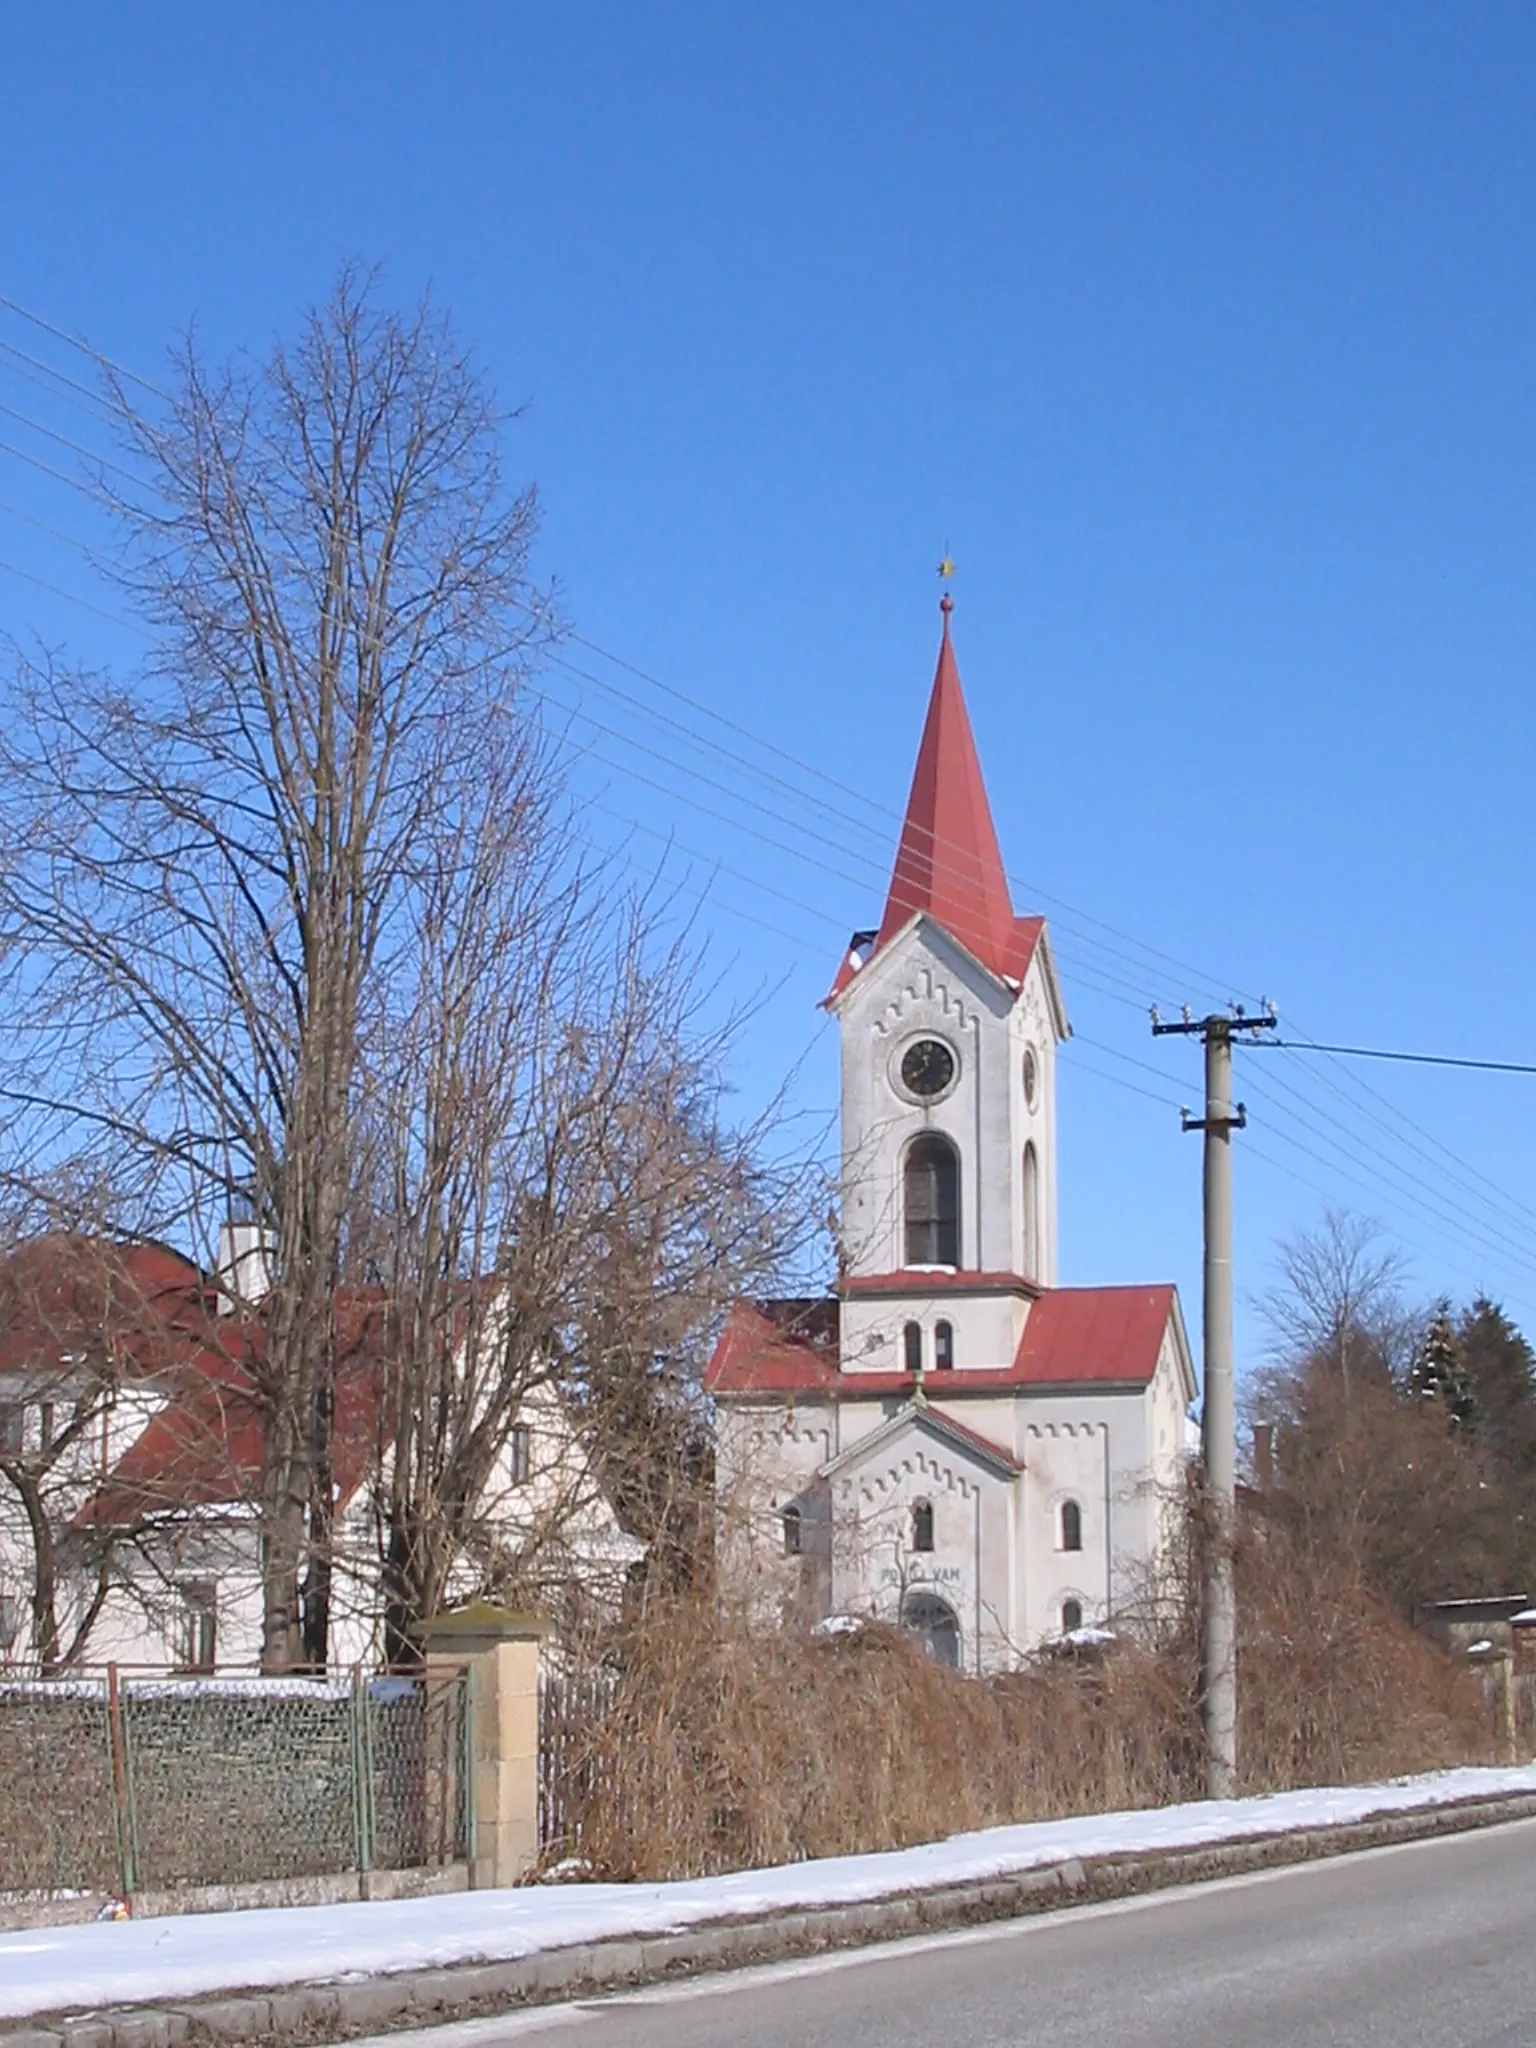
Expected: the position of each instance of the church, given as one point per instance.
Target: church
(951, 1440)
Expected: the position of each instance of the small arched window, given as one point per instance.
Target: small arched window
(1031, 1213)
(792, 1532)
(943, 1346)
(1071, 1525)
(922, 1526)
(1071, 1616)
(932, 1190)
(912, 1344)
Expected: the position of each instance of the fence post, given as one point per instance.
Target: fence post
(362, 1773)
(502, 1653)
(466, 1768)
(122, 1787)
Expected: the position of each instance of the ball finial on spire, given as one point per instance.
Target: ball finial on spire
(946, 571)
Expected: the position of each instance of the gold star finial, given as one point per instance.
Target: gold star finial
(947, 566)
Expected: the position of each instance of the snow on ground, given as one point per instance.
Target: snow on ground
(123, 1962)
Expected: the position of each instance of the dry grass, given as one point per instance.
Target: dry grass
(730, 1746)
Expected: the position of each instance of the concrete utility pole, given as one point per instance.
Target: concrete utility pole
(1218, 1415)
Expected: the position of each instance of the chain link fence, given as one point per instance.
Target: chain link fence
(119, 1783)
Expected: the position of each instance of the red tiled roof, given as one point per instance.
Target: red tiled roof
(948, 863)
(67, 1294)
(1073, 1336)
(937, 1280)
(204, 1447)
(1083, 1334)
(781, 1347)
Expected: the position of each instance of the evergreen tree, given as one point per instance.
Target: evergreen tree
(1501, 1374)
(1438, 1373)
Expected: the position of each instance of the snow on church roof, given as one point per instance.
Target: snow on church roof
(948, 865)
(1073, 1336)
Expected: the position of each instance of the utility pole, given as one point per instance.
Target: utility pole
(1218, 1416)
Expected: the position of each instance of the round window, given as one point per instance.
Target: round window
(1031, 1075)
(927, 1067)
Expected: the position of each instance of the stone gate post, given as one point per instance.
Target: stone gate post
(502, 1652)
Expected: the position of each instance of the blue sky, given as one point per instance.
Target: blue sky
(1201, 335)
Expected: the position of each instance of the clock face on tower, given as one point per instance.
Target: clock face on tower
(927, 1068)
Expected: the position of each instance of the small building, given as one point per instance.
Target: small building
(1480, 1626)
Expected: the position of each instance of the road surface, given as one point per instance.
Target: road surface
(1428, 1946)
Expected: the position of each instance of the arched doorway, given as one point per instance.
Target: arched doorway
(926, 1615)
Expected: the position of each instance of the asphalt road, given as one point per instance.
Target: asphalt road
(1428, 1946)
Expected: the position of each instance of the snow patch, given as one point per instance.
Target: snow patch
(48, 1969)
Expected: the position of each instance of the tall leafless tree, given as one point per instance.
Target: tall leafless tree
(204, 872)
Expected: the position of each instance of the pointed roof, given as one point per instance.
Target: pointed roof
(948, 865)
(949, 862)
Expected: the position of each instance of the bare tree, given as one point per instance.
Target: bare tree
(1337, 1300)
(204, 873)
(558, 1207)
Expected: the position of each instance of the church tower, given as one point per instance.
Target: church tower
(949, 1439)
(950, 1016)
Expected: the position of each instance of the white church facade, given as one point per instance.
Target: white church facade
(951, 1440)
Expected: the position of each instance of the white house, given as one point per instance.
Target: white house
(951, 1439)
(125, 1399)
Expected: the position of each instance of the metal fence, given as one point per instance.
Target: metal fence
(576, 1768)
(124, 1783)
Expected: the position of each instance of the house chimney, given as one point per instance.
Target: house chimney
(1264, 1456)
(244, 1272)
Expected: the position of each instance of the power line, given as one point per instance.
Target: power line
(85, 347)
(1086, 974)
(1417, 1059)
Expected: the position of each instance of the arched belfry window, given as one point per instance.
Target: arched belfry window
(912, 1343)
(943, 1346)
(931, 1188)
(1031, 1213)
(1071, 1525)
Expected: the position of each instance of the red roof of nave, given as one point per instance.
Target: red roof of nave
(948, 863)
(1073, 1336)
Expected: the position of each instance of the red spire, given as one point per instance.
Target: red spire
(948, 863)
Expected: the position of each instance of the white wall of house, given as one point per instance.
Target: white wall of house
(193, 1578)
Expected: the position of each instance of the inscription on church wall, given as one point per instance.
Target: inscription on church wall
(921, 1573)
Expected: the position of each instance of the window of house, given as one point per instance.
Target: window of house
(912, 1342)
(793, 1532)
(10, 1622)
(1071, 1525)
(520, 1453)
(1071, 1615)
(943, 1346)
(922, 1526)
(13, 1426)
(199, 1625)
(932, 1190)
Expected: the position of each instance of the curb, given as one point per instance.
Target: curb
(417, 1998)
